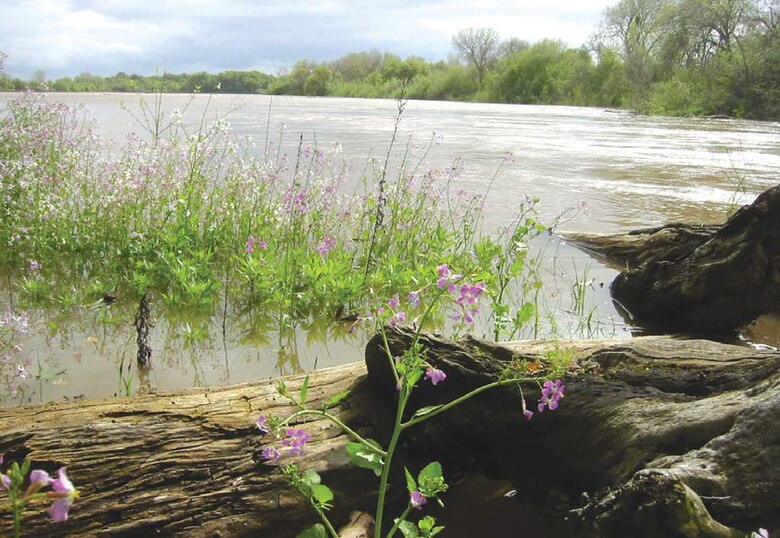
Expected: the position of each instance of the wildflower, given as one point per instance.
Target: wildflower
(551, 393)
(470, 294)
(262, 424)
(762, 533)
(296, 439)
(270, 453)
(394, 302)
(526, 412)
(447, 279)
(250, 245)
(417, 500)
(414, 298)
(327, 244)
(40, 478)
(553, 390)
(5, 481)
(64, 494)
(435, 376)
(398, 317)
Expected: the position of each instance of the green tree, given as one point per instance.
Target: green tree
(479, 47)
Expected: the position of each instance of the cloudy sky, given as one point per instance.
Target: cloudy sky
(68, 37)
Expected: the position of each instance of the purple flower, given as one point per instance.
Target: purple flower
(40, 478)
(553, 390)
(447, 279)
(394, 302)
(526, 413)
(295, 440)
(5, 481)
(398, 317)
(64, 492)
(262, 424)
(417, 500)
(271, 454)
(250, 245)
(551, 393)
(327, 244)
(414, 298)
(435, 376)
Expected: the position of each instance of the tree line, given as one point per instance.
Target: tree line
(678, 57)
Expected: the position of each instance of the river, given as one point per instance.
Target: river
(621, 171)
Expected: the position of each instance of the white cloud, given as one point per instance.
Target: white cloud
(65, 37)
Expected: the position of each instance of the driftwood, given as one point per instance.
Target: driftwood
(649, 418)
(705, 279)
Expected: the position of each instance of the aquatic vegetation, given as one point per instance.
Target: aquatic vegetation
(191, 217)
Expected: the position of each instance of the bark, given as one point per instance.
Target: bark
(188, 463)
(696, 413)
(698, 278)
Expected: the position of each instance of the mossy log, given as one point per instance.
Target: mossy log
(697, 413)
(705, 279)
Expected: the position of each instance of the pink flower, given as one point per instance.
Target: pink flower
(296, 439)
(40, 478)
(435, 376)
(417, 500)
(414, 298)
(327, 244)
(271, 454)
(64, 493)
(526, 413)
(262, 424)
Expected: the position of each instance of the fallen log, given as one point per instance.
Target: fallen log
(706, 279)
(189, 463)
(696, 412)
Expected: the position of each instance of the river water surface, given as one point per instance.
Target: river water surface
(621, 171)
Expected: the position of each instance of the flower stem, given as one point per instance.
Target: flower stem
(399, 520)
(380, 503)
(325, 520)
(459, 400)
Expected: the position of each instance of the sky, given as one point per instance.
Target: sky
(103, 37)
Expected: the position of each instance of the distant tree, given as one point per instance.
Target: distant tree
(512, 46)
(357, 65)
(478, 46)
(3, 58)
(317, 81)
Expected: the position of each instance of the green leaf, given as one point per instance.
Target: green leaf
(431, 481)
(315, 531)
(335, 400)
(365, 457)
(524, 314)
(426, 524)
(432, 471)
(322, 494)
(425, 411)
(304, 390)
(411, 485)
(311, 477)
(408, 529)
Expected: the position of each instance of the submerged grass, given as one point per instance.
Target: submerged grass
(191, 217)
